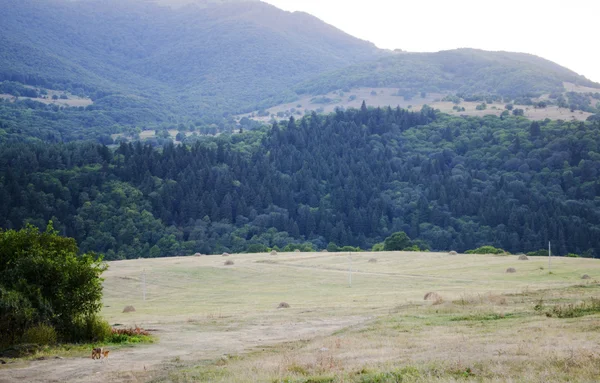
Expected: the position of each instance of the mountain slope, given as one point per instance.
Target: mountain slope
(226, 56)
(466, 71)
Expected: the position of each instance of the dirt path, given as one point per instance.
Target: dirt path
(185, 341)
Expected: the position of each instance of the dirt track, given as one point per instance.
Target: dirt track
(185, 341)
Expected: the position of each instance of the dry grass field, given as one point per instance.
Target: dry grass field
(73, 100)
(384, 97)
(221, 323)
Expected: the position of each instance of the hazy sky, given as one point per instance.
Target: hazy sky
(564, 31)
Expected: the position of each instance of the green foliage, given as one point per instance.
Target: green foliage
(538, 253)
(378, 247)
(90, 328)
(257, 248)
(481, 317)
(575, 310)
(43, 280)
(486, 250)
(41, 334)
(397, 241)
(332, 247)
(303, 247)
(128, 339)
(572, 255)
(400, 375)
(16, 314)
(129, 335)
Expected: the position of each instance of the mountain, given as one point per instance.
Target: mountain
(223, 56)
(463, 71)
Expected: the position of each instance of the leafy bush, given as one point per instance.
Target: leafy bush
(90, 329)
(486, 250)
(538, 253)
(332, 247)
(41, 334)
(572, 255)
(129, 335)
(44, 280)
(397, 241)
(16, 314)
(378, 247)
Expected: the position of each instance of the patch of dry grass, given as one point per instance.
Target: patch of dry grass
(448, 343)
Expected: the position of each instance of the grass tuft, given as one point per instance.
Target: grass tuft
(575, 310)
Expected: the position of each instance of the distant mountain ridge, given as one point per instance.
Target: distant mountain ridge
(466, 71)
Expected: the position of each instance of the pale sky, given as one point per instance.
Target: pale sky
(563, 31)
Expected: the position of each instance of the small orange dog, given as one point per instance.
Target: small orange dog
(99, 353)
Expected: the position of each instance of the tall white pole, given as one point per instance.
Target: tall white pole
(549, 257)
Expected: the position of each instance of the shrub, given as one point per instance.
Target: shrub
(396, 241)
(90, 329)
(378, 247)
(16, 313)
(45, 280)
(572, 255)
(486, 250)
(538, 253)
(572, 310)
(129, 335)
(41, 334)
(332, 247)
(257, 248)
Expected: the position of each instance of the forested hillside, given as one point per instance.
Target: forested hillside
(201, 60)
(467, 72)
(351, 178)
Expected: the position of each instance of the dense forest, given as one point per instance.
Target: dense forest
(352, 178)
